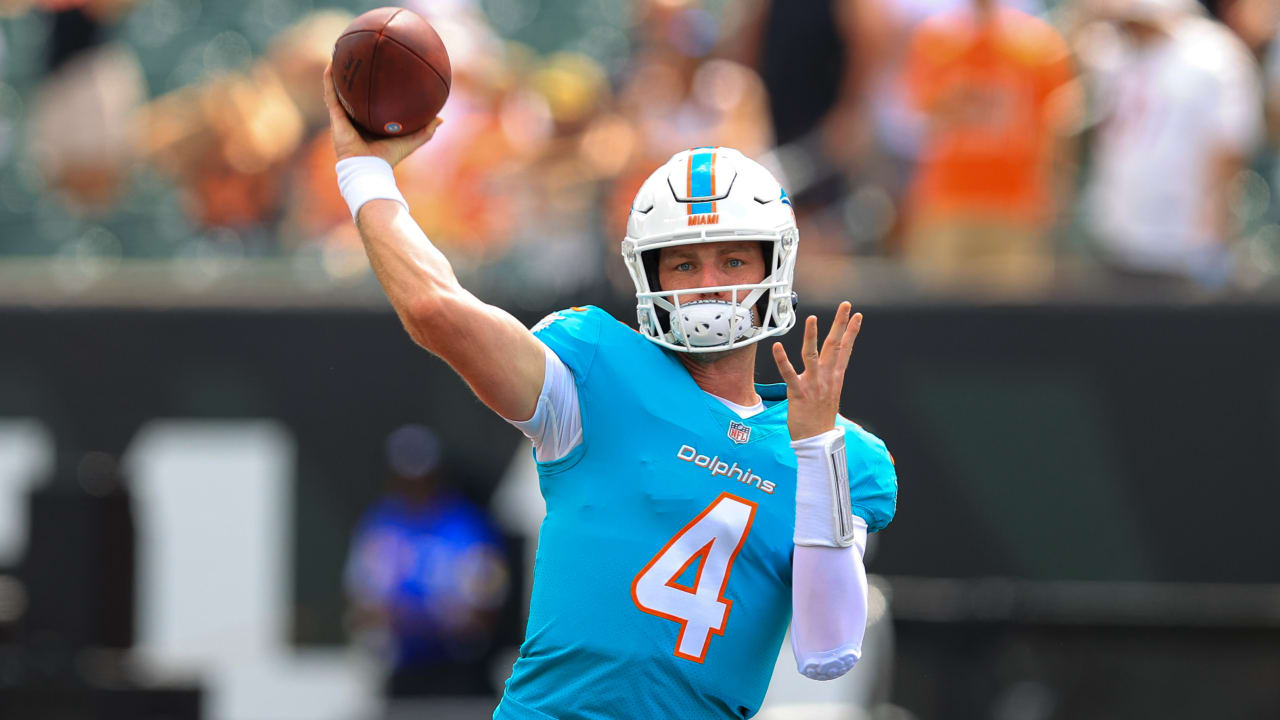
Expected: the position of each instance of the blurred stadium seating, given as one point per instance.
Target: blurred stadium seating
(196, 363)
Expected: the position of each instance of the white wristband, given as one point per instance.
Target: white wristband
(365, 178)
(824, 513)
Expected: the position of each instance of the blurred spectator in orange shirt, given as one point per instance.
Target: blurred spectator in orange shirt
(999, 93)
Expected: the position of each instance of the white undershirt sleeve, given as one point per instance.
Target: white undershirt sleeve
(829, 606)
(556, 425)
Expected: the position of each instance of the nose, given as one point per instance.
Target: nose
(712, 276)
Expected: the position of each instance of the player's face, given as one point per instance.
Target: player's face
(710, 265)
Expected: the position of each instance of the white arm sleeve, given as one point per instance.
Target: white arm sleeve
(829, 606)
(828, 581)
(556, 425)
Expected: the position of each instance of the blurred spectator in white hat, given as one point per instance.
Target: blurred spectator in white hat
(1180, 113)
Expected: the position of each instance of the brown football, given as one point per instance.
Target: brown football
(391, 72)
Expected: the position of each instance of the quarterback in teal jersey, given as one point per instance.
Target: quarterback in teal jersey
(692, 514)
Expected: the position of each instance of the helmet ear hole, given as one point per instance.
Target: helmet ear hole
(650, 260)
(766, 251)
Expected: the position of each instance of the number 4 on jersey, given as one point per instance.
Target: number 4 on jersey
(712, 539)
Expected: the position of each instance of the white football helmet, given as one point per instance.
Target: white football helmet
(708, 195)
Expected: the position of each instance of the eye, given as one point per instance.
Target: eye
(735, 262)
(684, 267)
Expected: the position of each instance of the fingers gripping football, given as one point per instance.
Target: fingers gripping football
(814, 394)
(350, 142)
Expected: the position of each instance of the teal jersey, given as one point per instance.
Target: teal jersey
(662, 585)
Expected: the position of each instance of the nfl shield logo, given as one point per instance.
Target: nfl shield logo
(739, 433)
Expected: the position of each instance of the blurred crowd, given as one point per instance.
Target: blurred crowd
(980, 146)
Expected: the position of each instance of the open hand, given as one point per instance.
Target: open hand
(814, 395)
(350, 142)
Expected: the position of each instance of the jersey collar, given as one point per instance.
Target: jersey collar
(772, 420)
(772, 393)
(764, 424)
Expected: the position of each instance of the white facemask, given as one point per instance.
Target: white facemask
(702, 196)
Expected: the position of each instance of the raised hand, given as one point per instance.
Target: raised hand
(350, 142)
(814, 395)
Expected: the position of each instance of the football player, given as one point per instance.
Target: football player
(690, 512)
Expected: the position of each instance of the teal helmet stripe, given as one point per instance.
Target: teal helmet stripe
(702, 179)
